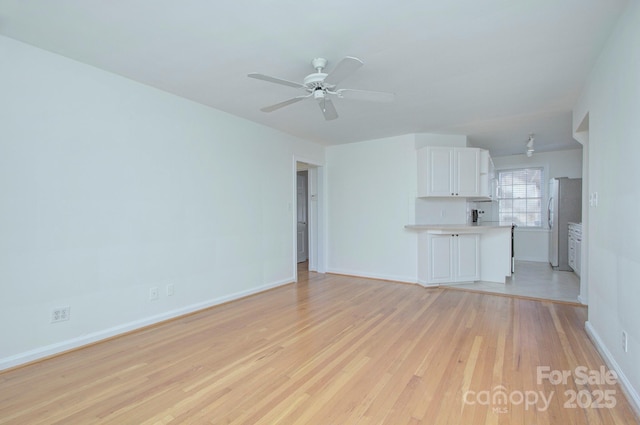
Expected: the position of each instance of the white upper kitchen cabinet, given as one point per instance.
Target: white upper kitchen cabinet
(448, 172)
(466, 171)
(487, 176)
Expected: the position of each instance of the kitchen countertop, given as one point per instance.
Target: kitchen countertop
(466, 227)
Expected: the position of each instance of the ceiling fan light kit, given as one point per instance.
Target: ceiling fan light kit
(321, 86)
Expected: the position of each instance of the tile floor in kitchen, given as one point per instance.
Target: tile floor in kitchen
(532, 279)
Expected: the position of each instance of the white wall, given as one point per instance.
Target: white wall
(371, 192)
(533, 244)
(612, 101)
(109, 187)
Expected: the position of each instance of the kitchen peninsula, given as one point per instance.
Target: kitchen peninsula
(456, 253)
(451, 177)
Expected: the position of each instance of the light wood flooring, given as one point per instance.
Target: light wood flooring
(535, 280)
(328, 350)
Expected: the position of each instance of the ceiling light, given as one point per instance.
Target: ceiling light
(529, 145)
(530, 141)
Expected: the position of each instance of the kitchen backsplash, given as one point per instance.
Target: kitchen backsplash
(441, 211)
(488, 211)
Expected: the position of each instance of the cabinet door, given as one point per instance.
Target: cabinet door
(486, 174)
(467, 172)
(440, 171)
(572, 251)
(440, 259)
(578, 253)
(466, 258)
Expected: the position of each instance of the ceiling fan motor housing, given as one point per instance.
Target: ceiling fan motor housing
(315, 80)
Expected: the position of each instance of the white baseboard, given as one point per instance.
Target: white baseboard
(357, 273)
(74, 343)
(627, 387)
(427, 285)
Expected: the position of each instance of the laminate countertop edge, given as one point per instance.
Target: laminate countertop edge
(468, 228)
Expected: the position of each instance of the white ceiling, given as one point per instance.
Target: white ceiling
(495, 70)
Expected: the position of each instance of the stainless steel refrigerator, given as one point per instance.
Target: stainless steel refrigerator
(565, 205)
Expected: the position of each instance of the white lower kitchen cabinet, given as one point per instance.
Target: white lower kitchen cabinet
(467, 254)
(578, 268)
(452, 258)
(462, 253)
(575, 247)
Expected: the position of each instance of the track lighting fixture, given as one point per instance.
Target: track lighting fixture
(529, 145)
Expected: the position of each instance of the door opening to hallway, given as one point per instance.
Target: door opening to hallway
(307, 217)
(302, 213)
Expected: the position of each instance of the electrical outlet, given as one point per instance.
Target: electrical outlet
(170, 290)
(625, 342)
(153, 293)
(60, 314)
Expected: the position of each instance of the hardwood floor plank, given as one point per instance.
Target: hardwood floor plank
(327, 350)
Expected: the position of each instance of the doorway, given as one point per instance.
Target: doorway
(302, 216)
(307, 217)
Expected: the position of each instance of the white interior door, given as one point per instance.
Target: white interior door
(303, 216)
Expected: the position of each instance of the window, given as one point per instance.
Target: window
(520, 197)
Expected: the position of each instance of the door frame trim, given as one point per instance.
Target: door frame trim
(315, 212)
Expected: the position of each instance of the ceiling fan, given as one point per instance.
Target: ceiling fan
(321, 86)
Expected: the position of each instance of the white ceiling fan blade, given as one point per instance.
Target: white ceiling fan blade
(275, 80)
(372, 96)
(283, 104)
(328, 110)
(343, 69)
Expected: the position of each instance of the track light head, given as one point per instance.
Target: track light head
(529, 145)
